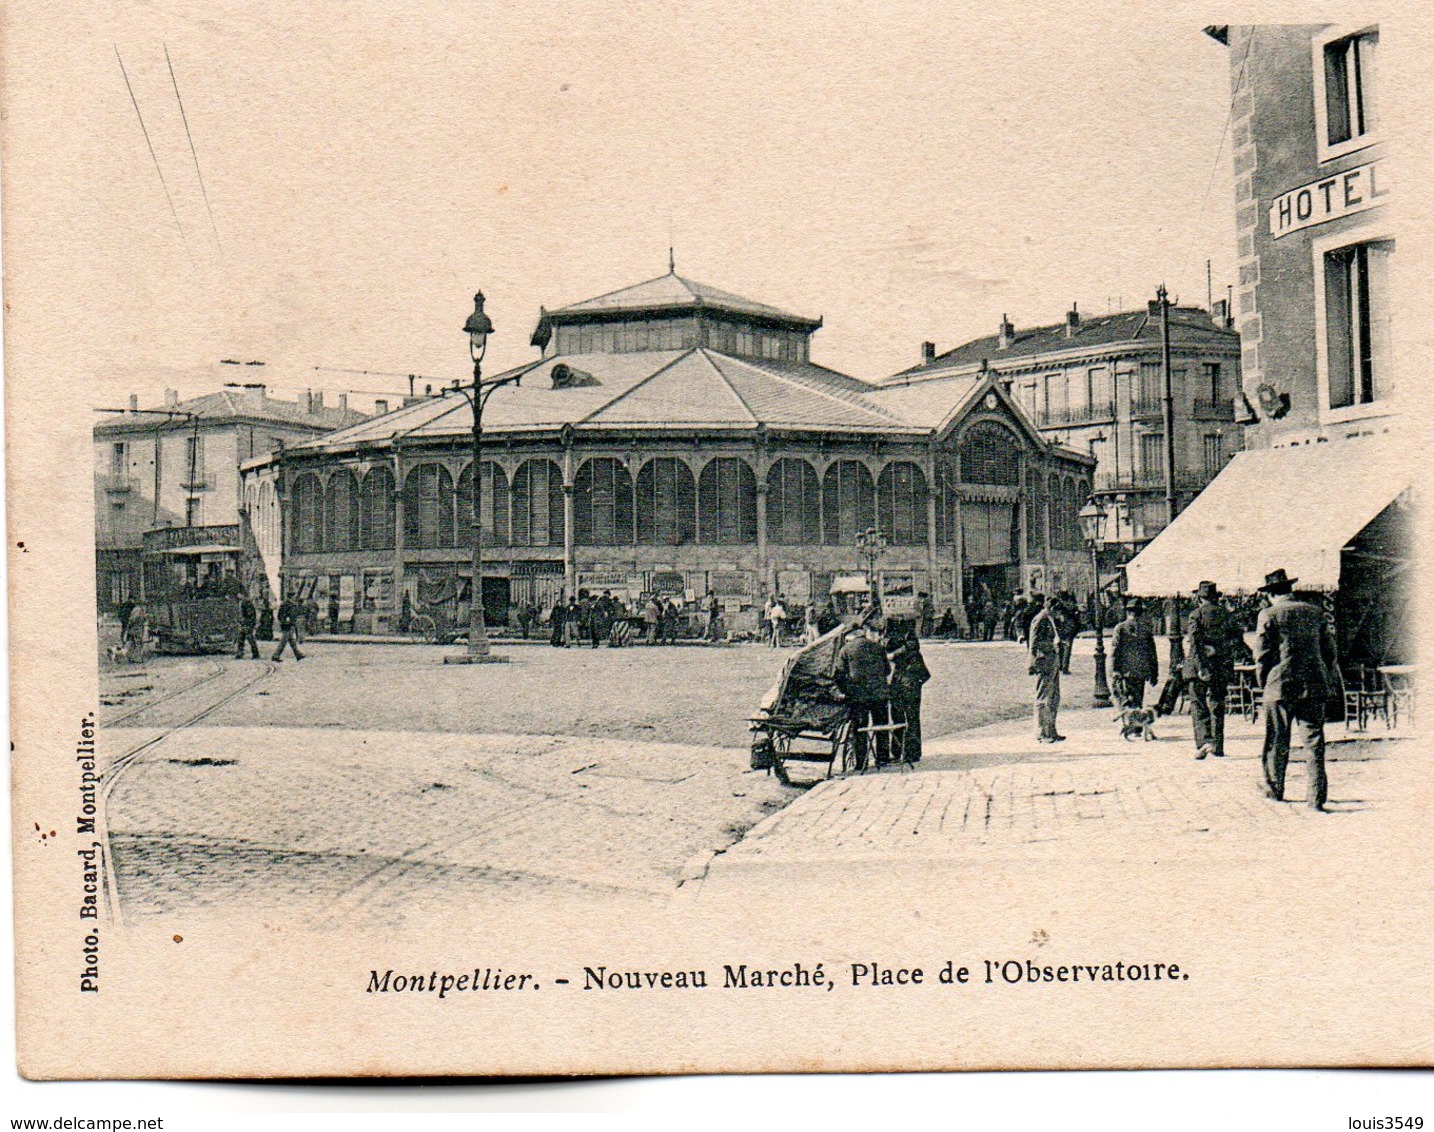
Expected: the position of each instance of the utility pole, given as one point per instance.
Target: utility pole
(1167, 415)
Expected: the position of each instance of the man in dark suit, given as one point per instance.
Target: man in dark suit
(291, 612)
(1210, 635)
(1133, 658)
(1296, 661)
(863, 673)
(1044, 636)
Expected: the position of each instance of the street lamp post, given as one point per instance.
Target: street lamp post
(1092, 525)
(478, 327)
(872, 544)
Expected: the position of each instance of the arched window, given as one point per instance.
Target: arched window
(1040, 504)
(537, 504)
(341, 517)
(376, 510)
(901, 496)
(727, 503)
(428, 506)
(602, 503)
(494, 500)
(990, 454)
(794, 504)
(266, 530)
(848, 502)
(307, 536)
(946, 500)
(1073, 535)
(666, 503)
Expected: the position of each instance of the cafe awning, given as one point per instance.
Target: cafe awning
(1295, 507)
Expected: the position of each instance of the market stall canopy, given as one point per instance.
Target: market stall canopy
(1295, 507)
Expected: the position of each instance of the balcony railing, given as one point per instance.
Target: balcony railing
(1148, 481)
(1078, 415)
(1147, 406)
(200, 481)
(1221, 410)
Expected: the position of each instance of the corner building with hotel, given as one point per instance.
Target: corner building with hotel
(673, 438)
(1324, 487)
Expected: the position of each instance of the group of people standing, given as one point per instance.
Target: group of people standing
(880, 677)
(1295, 667)
(597, 618)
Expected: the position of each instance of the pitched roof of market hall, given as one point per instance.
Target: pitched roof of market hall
(693, 389)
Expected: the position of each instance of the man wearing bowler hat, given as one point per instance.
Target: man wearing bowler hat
(1210, 635)
(1295, 657)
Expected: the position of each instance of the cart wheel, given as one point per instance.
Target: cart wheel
(781, 744)
(425, 627)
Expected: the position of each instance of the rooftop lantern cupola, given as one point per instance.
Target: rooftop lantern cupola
(672, 313)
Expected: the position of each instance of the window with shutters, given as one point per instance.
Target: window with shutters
(537, 504)
(727, 503)
(376, 510)
(602, 503)
(666, 503)
(494, 504)
(848, 502)
(901, 497)
(794, 503)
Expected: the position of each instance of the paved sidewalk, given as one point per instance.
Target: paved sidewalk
(994, 794)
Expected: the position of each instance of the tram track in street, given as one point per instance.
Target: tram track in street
(112, 774)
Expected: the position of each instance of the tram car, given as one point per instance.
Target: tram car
(192, 588)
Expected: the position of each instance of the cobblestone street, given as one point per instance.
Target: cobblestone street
(370, 779)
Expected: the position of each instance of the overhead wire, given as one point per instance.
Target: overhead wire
(194, 153)
(153, 156)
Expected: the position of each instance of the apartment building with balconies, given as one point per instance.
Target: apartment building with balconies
(1096, 385)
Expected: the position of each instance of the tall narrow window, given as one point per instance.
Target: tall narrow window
(666, 503)
(848, 502)
(1214, 454)
(602, 503)
(901, 496)
(794, 503)
(118, 459)
(1213, 386)
(1349, 87)
(727, 502)
(1152, 455)
(537, 499)
(1357, 323)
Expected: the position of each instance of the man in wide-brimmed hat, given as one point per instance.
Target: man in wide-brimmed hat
(1295, 656)
(1210, 636)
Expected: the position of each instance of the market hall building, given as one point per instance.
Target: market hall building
(1324, 489)
(672, 438)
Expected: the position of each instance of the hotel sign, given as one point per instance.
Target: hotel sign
(1340, 194)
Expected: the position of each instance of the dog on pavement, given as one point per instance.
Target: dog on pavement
(1137, 723)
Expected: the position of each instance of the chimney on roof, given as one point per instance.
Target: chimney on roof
(318, 400)
(1153, 306)
(928, 351)
(1007, 333)
(343, 402)
(1220, 314)
(380, 407)
(308, 401)
(134, 402)
(1072, 321)
(171, 398)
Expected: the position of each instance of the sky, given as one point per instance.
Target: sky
(351, 174)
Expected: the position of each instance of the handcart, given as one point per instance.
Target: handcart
(803, 718)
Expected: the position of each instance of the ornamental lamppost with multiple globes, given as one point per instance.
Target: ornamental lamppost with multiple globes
(1092, 525)
(478, 327)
